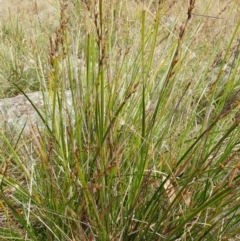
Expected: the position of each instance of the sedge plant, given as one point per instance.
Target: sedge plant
(146, 148)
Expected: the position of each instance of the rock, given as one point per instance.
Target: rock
(19, 112)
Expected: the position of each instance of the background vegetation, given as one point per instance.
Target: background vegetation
(149, 147)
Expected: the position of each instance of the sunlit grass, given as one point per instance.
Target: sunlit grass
(147, 147)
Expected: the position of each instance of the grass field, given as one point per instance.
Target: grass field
(150, 147)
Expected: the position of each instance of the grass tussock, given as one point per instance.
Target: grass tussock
(148, 148)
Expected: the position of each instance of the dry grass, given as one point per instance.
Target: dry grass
(27, 26)
(28, 11)
(34, 57)
(25, 30)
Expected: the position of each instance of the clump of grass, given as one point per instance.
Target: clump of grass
(148, 147)
(25, 32)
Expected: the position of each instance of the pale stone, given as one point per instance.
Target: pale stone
(19, 112)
